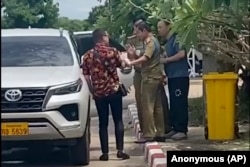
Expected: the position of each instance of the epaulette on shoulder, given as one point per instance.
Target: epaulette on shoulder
(148, 40)
(132, 37)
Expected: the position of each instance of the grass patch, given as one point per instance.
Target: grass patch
(245, 136)
(196, 111)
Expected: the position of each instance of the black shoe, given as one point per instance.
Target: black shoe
(104, 157)
(122, 155)
(144, 140)
(160, 139)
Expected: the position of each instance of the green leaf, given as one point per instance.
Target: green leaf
(207, 6)
(234, 5)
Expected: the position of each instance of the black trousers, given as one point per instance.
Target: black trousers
(102, 104)
(178, 93)
(165, 107)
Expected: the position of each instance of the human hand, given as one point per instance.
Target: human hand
(125, 60)
(123, 55)
(164, 60)
(131, 49)
(128, 63)
(123, 64)
(164, 80)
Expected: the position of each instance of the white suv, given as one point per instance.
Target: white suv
(45, 100)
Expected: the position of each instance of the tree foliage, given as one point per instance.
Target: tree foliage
(35, 13)
(72, 24)
(217, 27)
(117, 16)
(96, 12)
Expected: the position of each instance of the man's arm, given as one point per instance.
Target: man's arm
(89, 82)
(137, 55)
(86, 72)
(131, 51)
(181, 53)
(118, 60)
(147, 54)
(140, 60)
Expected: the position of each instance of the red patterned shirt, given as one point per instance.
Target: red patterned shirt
(102, 68)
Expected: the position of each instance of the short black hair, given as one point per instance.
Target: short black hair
(98, 34)
(166, 21)
(143, 26)
(138, 20)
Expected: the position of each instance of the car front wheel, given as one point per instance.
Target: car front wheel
(80, 152)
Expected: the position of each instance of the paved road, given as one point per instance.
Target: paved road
(59, 158)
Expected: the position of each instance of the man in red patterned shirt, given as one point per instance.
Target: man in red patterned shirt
(99, 66)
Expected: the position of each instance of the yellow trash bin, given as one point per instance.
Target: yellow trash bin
(220, 103)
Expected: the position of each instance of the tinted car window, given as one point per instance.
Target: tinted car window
(75, 48)
(35, 51)
(85, 43)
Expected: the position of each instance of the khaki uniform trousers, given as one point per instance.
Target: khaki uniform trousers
(137, 86)
(151, 103)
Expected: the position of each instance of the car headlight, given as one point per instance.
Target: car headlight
(72, 88)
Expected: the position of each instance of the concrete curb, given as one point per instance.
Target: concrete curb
(153, 154)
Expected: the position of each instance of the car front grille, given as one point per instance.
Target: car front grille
(31, 101)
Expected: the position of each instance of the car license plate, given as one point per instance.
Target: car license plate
(14, 129)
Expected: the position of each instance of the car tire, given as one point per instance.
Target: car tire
(80, 152)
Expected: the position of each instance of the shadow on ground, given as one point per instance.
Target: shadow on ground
(196, 141)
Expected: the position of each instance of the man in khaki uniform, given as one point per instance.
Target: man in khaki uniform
(151, 84)
(137, 77)
(138, 44)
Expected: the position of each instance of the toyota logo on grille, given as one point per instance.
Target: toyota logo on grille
(13, 95)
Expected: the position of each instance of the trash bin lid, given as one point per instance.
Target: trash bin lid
(216, 75)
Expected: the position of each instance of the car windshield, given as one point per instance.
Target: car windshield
(35, 51)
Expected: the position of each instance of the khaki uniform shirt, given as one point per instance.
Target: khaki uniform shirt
(139, 46)
(151, 69)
